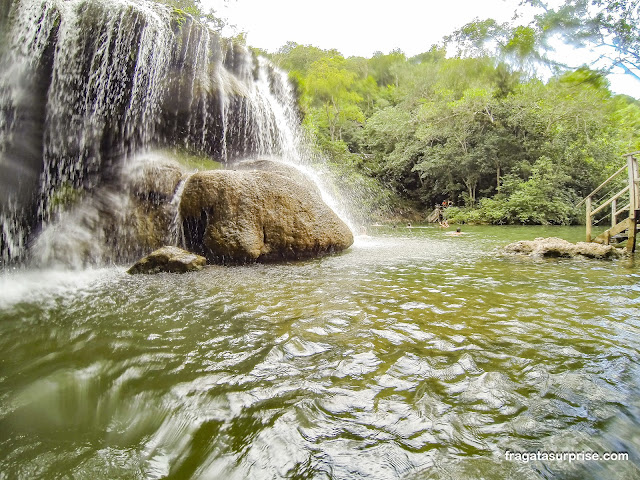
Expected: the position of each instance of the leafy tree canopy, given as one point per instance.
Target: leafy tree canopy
(505, 147)
(611, 28)
(196, 10)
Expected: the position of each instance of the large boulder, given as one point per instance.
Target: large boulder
(168, 259)
(557, 247)
(292, 172)
(247, 216)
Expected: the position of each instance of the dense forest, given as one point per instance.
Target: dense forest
(477, 129)
(502, 146)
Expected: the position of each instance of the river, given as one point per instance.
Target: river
(410, 355)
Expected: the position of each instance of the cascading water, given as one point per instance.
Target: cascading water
(88, 85)
(25, 56)
(177, 227)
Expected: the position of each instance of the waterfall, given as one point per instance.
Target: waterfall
(177, 227)
(87, 85)
(25, 59)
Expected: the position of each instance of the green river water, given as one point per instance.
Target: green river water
(411, 355)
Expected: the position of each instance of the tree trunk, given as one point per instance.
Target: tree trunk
(331, 123)
(472, 185)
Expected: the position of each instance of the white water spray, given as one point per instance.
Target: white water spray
(107, 80)
(177, 228)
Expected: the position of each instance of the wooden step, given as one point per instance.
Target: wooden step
(619, 228)
(434, 216)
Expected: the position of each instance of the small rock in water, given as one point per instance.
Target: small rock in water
(557, 247)
(169, 259)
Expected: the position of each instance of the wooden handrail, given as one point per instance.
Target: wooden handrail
(624, 209)
(615, 197)
(603, 184)
(633, 190)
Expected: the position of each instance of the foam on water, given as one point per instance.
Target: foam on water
(28, 286)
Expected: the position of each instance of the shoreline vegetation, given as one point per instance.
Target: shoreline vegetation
(477, 129)
(501, 146)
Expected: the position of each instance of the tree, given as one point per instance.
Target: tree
(456, 132)
(196, 10)
(542, 199)
(477, 131)
(384, 67)
(298, 59)
(328, 85)
(612, 28)
(519, 44)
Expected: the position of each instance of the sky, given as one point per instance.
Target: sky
(363, 27)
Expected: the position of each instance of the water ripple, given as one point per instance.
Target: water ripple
(408, 357)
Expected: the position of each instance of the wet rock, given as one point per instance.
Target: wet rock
(151, 181)
(247, 216)
(168, 259)
(557, 247)
(148, 225)
(153, 177)
(284, 169)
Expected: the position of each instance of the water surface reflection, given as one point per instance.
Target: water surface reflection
(412, 355)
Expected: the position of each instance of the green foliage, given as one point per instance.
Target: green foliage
(541, 200)
(522, 42)
(179, 16)
(504, 147)
(194, 162)
(182, 8)
(613, 27)
(386, 68)
(64, 196)
(191, 7)
(332, 100)
(612, 24)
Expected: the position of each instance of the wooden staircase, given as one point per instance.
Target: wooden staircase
(625, 229)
